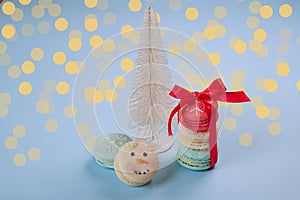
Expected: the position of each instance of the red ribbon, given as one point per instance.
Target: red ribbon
(209, 97)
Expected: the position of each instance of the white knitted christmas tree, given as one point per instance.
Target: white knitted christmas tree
(149, 103)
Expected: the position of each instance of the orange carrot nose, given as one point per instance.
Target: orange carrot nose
(141, 161)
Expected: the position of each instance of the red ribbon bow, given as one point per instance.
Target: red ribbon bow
(215, 92)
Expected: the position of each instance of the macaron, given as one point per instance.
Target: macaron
(107, 146)
(136, 163)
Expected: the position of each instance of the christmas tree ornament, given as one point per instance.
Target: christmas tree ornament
(136, 163)
(107, 146)
(197, 118)
(149, 103)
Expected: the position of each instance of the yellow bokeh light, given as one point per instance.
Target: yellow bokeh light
(90, 3)
(256, 101)
(103, 85)
(111, 95)
(254, 7)
(126, 64)
(54, 10)
(237, 109)
(72, 67)
(209, 33)
(37, 54)
(175, 50)
(157, 17)
(11, 142)
(98, 96)
(270, 85)
(220, 12)
(274, 113)
(25, 88)
(135, 5)
(90, 142)
(191, 13)
(20, 159)
(8, 8)
(109, 46)
(62, 88)
(126, 30)
(89, 94)
(260, 83)
(75, 44)
(17, 15)
(255, 45)
(260, 35)
(51, 125)
(19, 131)
(5, 99)
(37, 12)
(283, 69)
(285, 34)
(27, 30)
(274, 128)
(262, 111)
(70, 111)
(232, 41)
(109, 18)
(83, 129)
(189, 46)
(28, 67)
(75, 34)
(3, 111)
(240, 46)
(42, 106)
(245, 139)
(8, 31)
(119, 82)
(59, 58)
(95, 41)
(25, 2)
(220, 30)
(285, 10)
(61, 24)
(45, 3)
(214, 59)
(14, 72)
(3, 47)
(195, 79)
(34, 154)
(200, 56)
(298, 85)
(239, 75)
(199, 37)
(266, 11)
(252, 22)
(263, 52)
(230, 123)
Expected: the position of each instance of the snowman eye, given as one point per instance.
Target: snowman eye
(145, 154)
(132, 153)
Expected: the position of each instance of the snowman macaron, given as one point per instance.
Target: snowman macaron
(136, 163)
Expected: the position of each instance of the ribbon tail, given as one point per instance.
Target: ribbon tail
(174, 111)
(237, 97)
(212, 140)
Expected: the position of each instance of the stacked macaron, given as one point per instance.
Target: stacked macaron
(107, 146)
(193, 148)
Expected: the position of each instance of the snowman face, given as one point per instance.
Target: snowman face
(138, 161)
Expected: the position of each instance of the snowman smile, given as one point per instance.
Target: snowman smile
(142, 173)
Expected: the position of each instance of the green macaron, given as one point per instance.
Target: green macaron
(107, 146)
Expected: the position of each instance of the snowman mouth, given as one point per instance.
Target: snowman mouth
(142, 172)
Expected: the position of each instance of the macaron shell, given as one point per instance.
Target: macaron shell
(133, 166)
(107, 146)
